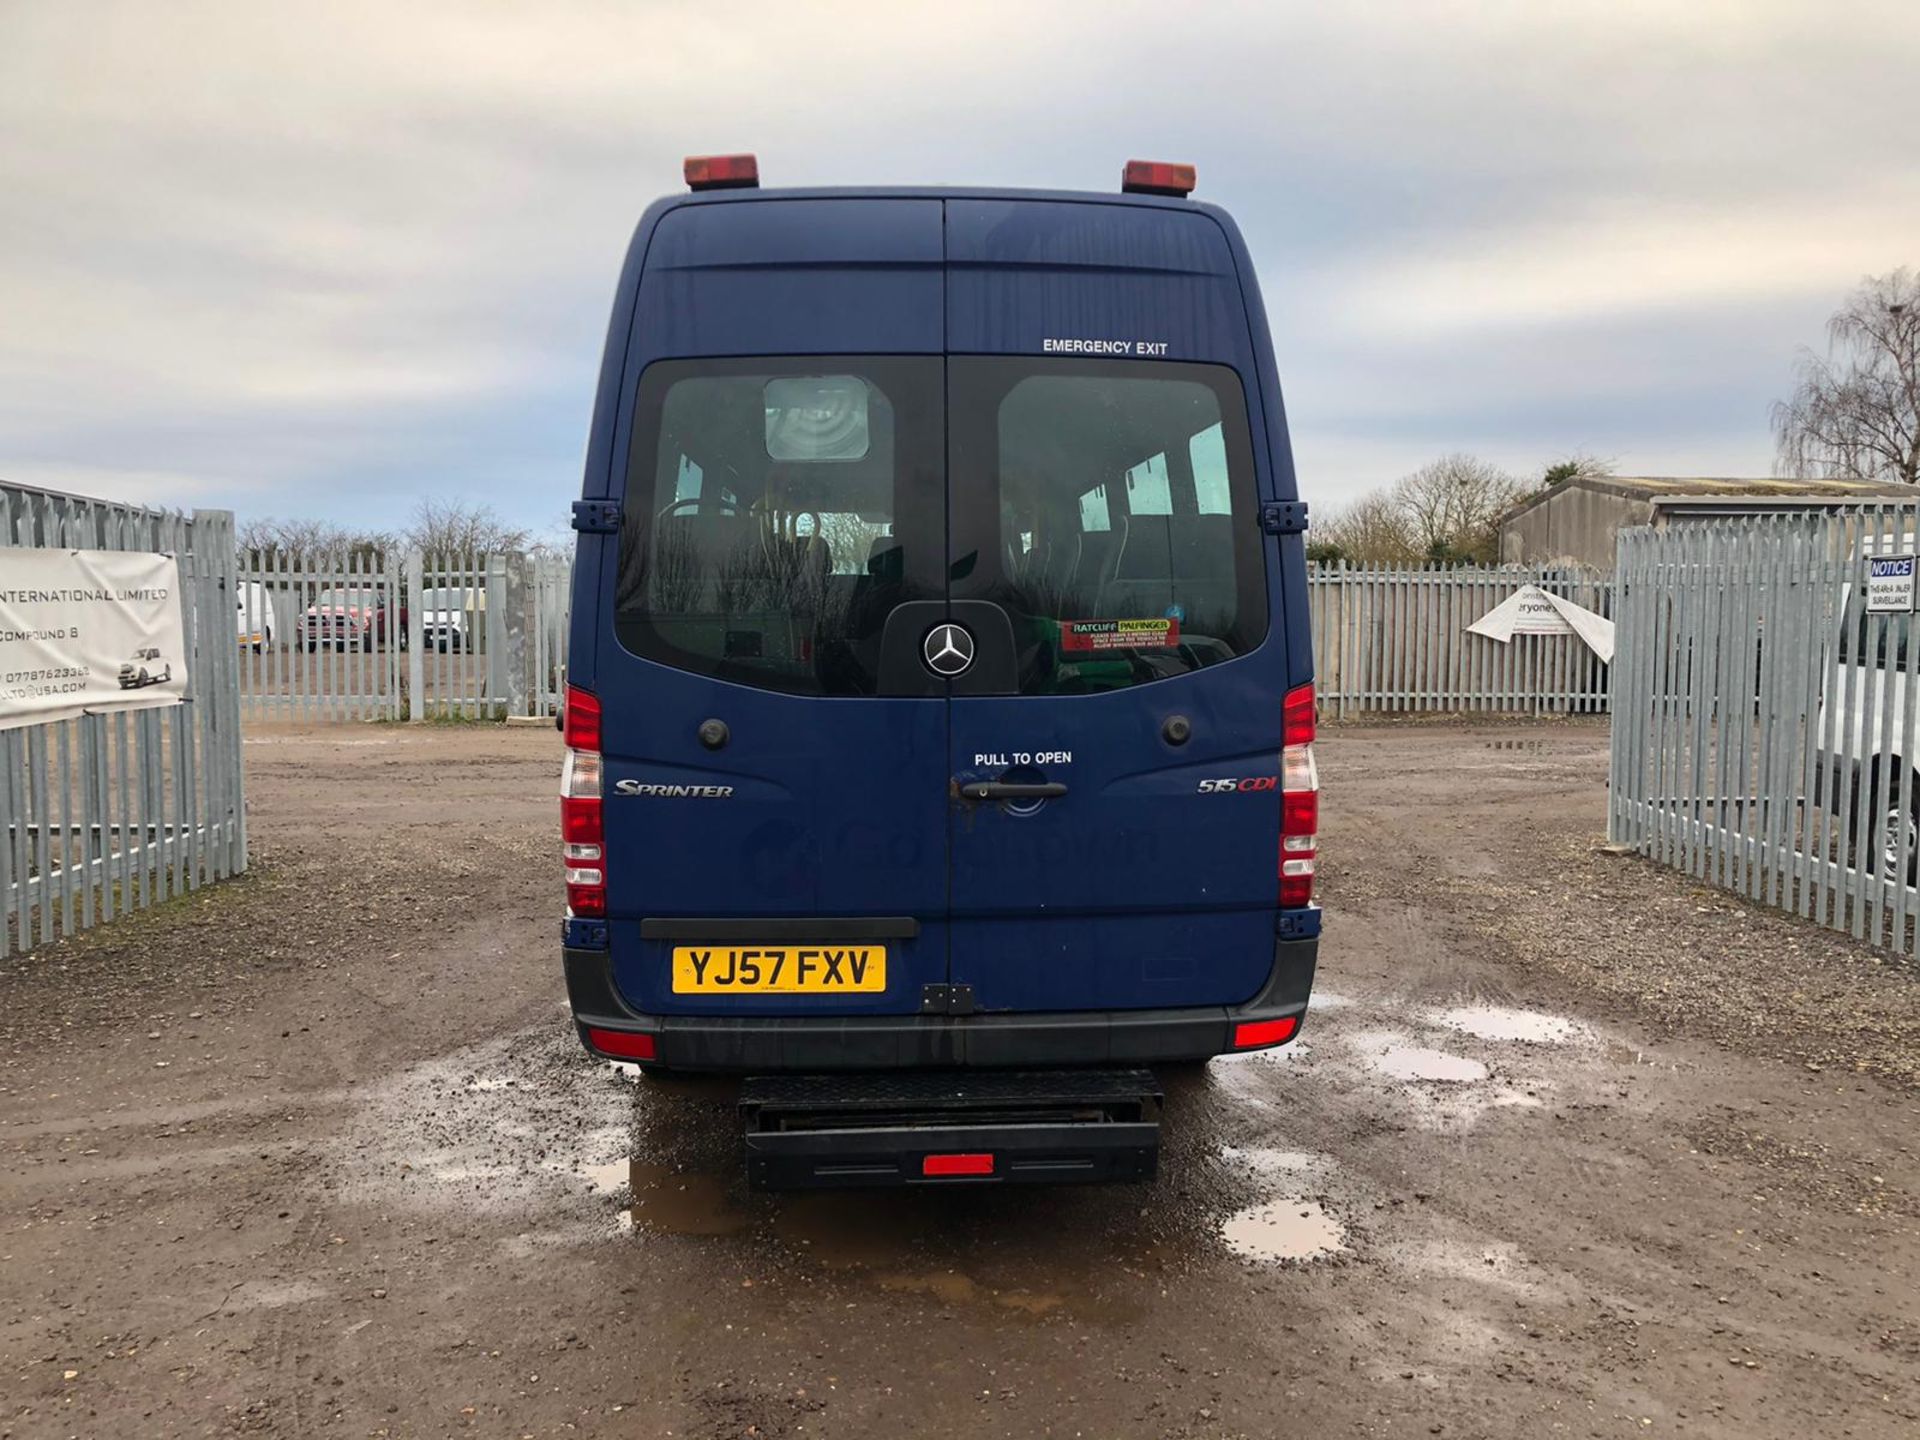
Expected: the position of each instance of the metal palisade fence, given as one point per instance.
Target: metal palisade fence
(552, 595)
(319, 636)
(106, 814)
(389, 635)
(1764, 724)
(382, 634)
(1395, 639)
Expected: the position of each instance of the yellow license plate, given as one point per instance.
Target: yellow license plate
(779, 969)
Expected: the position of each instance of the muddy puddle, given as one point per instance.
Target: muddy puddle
(672, 1202)
(959, 1289)
(1531, 1027)
(1417, 1062)
(605, 1179)
(1284, 1223)
(856, 1229)
(1280, 1230)
(900, 1242)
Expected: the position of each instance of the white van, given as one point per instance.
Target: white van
(1864, 738)
(253, 614)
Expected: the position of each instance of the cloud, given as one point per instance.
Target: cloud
(1622, 259)
(318, 258)
(135, 487)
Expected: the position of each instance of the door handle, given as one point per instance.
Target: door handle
(1007, 790)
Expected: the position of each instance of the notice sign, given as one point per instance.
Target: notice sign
(1086, 635)
(1890, 585)
(88, 630)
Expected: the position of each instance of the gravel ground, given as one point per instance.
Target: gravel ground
(1571, 1146)
(1685, 957)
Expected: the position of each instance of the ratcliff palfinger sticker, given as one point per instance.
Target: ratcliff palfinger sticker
(1087, 635)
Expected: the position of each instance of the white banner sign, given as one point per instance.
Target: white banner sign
(1533, 611)
(87, 630)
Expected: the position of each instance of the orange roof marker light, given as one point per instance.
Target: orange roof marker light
(722, 172)
(1155, 177)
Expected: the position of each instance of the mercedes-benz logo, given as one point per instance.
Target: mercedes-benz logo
(948, 649)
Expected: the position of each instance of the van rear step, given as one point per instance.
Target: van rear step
(938, 1127)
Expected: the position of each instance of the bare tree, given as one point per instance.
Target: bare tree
(1452, 506)
(457, 527)
(1855, 413)
(1370, 531)
(307, 537)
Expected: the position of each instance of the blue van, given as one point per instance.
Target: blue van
(939, 727)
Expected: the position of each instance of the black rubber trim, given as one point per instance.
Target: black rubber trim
(1034, 1127)
(888, 1042)
(1022, 1155)
(783, 931)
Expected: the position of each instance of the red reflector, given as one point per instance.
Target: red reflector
(1156, 177)
(580, 727)
(1257, 1033)
(624, 1043)
(1296, 716)
(721, 172)
(581, 820)
(957, 1165)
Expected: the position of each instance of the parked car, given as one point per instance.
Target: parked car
(253, 614)
(941, 696)
(451, 617)
(345, 617)
(145, 667)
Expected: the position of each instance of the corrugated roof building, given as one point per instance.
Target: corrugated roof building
(1577, 521)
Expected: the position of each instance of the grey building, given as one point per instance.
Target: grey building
(1576, 521)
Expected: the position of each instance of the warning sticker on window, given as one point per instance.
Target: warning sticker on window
(1085, 635)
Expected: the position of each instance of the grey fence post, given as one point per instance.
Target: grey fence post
(416, 638)
(215, 556)
(499, 667)
(516, 661)
(1346, 628)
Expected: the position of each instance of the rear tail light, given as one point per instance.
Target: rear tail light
(583, 837)
(721, 172)
(1299, 801)
(1258, 1034)
(623, 1043)
(966, 1164)
(1156, 177)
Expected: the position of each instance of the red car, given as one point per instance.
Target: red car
(347, 617)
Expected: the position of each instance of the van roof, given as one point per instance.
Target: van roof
(934, 192)
(1114, 199)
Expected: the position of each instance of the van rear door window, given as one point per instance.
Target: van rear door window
(777, 510)
(1110, 508)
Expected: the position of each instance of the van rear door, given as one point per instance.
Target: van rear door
(1105, 477)
(775, 751)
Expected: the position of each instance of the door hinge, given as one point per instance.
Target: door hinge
(1283, 517)
(596, 517)
(946, 1000)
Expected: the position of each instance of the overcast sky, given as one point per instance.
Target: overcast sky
(322, 260)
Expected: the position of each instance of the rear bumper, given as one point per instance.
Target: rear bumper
(763, 1044)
